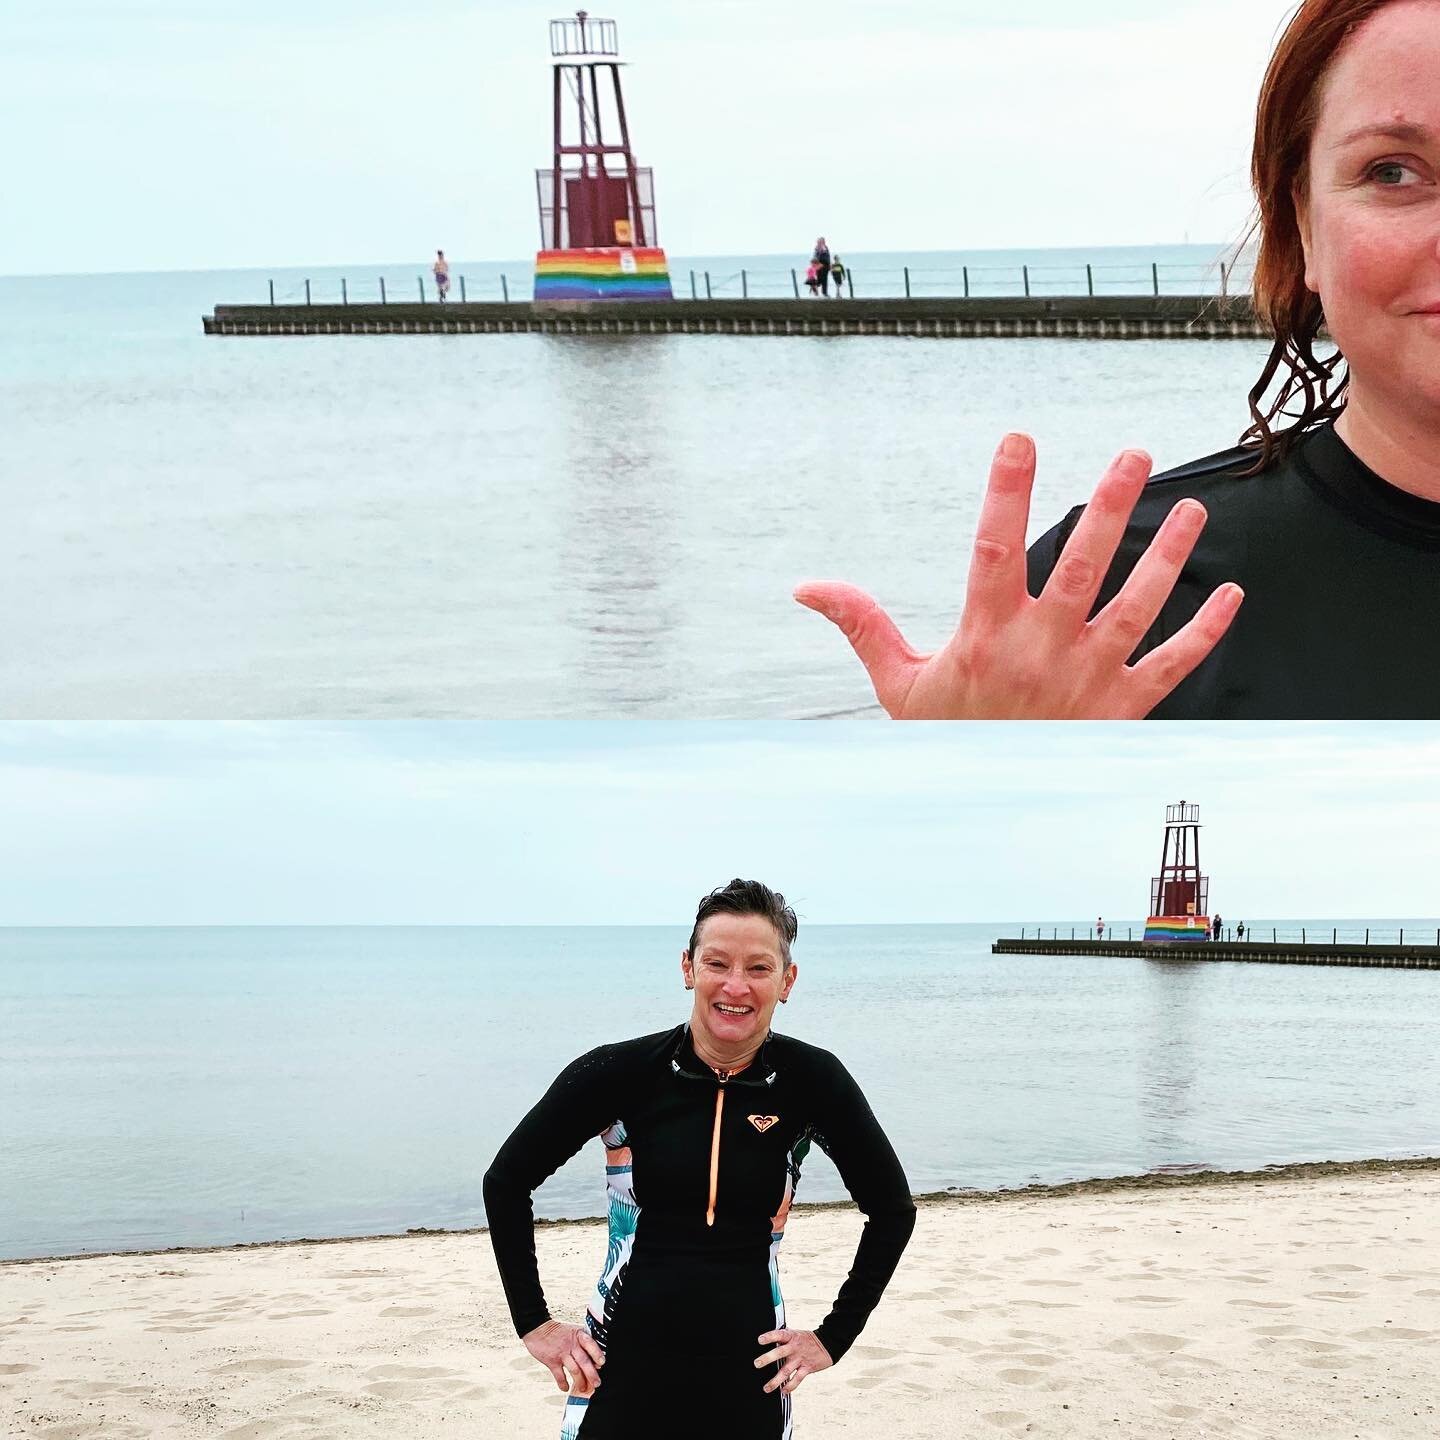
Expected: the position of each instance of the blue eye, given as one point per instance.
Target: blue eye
(1390, 173)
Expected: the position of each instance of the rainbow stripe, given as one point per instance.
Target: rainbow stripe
(1164, 929)
(618, 274)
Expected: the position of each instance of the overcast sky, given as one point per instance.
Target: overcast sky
(191, 134)
(627, 823)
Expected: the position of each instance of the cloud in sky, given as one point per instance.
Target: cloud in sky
(163, 134)
(627, 823)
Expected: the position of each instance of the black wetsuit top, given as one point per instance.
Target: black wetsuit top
(701, 1174)
(1341, 573)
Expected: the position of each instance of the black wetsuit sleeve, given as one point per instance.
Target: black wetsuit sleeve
(851, 1136)
(582, 1103)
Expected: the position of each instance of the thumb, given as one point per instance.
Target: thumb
(873, 635)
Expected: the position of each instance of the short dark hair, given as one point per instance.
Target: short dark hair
(748, 897)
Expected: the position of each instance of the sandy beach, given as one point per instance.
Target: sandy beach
(1304, 1303)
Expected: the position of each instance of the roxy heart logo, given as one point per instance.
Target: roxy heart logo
(763, 1122)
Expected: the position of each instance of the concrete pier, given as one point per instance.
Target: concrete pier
(1137, 317)
(1284, 952)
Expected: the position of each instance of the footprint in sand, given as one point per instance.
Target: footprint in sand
(1390, 1332)
(1146, 1342)
(1014, 1420)
(958, 1342)
(170, 1329)
(1262, 1304)
(73, 1329)
(1148, 1299)
(16, 1369)
(407, 1372)
(407, 1312)
(1280, 1330)
(1337, 1269)
(263, 1365)
(295, 1314)
(1428, 1294)
(1021, 1377)
(412, 1389)
(1335, 1295)
(1068, 1284)
(1180, 1412)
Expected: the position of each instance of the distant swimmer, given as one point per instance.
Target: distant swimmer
(705, 1128)
(441, 270)
(1324, 520)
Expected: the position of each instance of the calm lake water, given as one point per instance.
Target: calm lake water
(521, 526)
(208, 1086)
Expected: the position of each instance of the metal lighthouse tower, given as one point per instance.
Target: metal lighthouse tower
(1179, 894)
(597, 207)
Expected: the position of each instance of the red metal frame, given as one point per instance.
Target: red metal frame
(588, 167)
(1180, 865)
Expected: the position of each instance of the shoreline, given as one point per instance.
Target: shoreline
(932, 1199)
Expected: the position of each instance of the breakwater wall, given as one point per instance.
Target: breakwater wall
(1396, 957)
(1129, 317)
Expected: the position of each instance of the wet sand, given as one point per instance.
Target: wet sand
(1300, 1302)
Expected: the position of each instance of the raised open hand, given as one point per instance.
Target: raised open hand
(561, 1348)
(798, 1352)
(1016, 657)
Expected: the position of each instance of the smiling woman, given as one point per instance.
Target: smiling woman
(1325, 519)
(705, 1128)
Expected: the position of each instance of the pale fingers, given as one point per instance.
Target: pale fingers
(787, 1380)
(891, 664)
(995, 587)
(1167, 665)
(1126, 620)
(582, 1368)
(1081, 569)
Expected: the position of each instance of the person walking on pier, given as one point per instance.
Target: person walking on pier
(812, 279)
(1100, 928)
(1240, 931)
(1215, 927)
(441, 269)
(821, 261)
(837, 274)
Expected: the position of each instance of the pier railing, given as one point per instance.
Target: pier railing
(1259, 935)
(892, 283)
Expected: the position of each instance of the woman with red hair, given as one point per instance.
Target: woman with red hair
(1324, 520)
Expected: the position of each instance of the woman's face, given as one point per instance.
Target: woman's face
(739, 973)
(1371, 219)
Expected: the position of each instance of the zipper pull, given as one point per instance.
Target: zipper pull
(715, 1151)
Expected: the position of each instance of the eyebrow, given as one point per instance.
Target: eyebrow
(1392, 129)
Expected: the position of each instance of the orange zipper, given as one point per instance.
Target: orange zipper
(715, 1152)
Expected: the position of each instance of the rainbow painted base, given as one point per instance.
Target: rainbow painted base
(620, 274)
(1166, 929)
